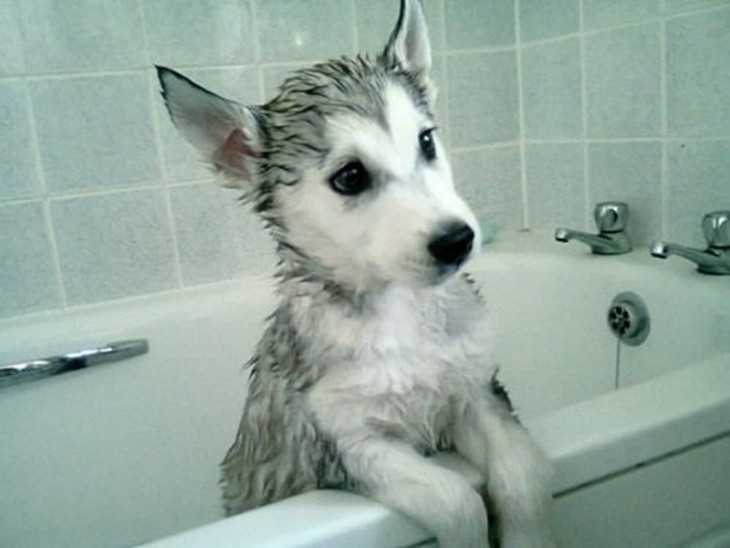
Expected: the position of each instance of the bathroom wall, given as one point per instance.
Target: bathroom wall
(546, 107)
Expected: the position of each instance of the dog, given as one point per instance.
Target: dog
(379, 353)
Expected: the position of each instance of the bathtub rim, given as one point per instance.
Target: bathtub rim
(661, 425)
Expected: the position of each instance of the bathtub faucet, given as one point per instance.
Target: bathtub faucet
(713, 260)
(612, 239)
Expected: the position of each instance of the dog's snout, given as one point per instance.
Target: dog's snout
(452, 245)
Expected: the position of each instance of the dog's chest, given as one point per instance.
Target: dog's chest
(403, 363)
(401, 332)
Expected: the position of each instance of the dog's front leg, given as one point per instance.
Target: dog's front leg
(441, 500)
(517, 472)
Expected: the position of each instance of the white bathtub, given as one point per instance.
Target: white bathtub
(126, 453)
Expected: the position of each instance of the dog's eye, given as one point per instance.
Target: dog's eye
(351, 179)
(427, 144)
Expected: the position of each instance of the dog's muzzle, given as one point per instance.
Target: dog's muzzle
(451, 246)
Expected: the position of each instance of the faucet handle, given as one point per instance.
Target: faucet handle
(716, 228)
(611, 216)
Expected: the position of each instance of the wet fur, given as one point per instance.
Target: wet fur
(376, 357)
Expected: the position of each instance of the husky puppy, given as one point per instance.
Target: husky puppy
(379, 353)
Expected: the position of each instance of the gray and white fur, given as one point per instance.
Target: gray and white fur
(379, 353)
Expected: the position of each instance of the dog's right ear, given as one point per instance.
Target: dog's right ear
(408, 45)
(227, 133)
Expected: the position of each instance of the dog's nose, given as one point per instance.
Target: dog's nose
(452, 245)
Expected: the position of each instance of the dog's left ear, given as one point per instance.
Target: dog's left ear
(226, 133)
(408, 45)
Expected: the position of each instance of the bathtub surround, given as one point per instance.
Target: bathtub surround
(103, 427)
(549, 107)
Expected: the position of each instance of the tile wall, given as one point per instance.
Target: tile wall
(546, 106)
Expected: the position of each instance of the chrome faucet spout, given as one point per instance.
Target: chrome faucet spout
(611, 219)
(708, 261)
(563, 234)
(713, 260)
(603, 243)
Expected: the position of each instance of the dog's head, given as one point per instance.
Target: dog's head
(345, 164)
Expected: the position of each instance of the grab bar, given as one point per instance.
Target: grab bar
(16, 373)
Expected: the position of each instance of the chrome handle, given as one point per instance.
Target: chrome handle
(16, 373)
(716, 229)
(611, 216)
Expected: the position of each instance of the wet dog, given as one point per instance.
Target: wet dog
(379, 353)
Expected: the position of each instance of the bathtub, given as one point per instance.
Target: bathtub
(125, 454)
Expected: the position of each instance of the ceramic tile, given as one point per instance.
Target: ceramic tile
(623, 82)
(200, 32)
(28, 280)
(482, 98)
(18, 173)
(672, 6)
(479, 23)
(698, 102)
(217, 236)
(540, 19)
(631, 173)
(114, 245)
(290, 30)
(599, 14)
(95, 132)
(556, 185)
(63, 35)
(490, 181)
(12, 59)
(698, 182)
(551, 87)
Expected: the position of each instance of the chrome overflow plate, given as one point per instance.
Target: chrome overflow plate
(628, 318)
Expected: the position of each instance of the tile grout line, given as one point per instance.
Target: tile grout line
(258, 65)
(445, 73)
(584, 117)
(253, 4)
(521, 119)
(152, 96)
(578, 141)
(177, 269)
(664, 110)
(661, 17)
(45, 201)
(353, 25)
(88, 72)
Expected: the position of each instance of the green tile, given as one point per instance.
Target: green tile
(551, 90)
(482, 98)
(540, 19)
(698, 74)
(623, 82)
(556, 185)
(479, 23)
